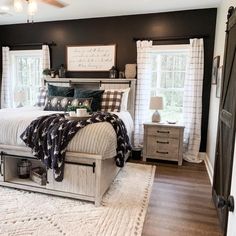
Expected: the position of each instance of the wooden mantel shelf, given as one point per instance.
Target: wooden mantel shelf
(91, 80)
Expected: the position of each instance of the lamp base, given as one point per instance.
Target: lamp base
(156, 117)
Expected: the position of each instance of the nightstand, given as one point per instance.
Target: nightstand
(163, 141)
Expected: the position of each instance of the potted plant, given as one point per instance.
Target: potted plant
(47, 72)
(84, 107)
(72, 109)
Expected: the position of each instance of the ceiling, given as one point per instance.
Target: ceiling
(78, 9)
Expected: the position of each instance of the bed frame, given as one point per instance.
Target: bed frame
(86, 176)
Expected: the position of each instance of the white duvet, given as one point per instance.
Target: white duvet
(99, 138)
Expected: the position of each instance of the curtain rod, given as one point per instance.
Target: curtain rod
(171, 38)
(32, 44)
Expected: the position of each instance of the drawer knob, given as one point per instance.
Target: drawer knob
(163, 132)
(162, 152)
(162, 142)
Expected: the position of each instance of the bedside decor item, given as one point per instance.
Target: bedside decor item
(130, 70)
(53, 73)
(81, 112)
(113, 73)
(23, 169)
(38, 175)
(219, 81)
(72, 110)
(171, 122)
(47, 72)
(20, 97)
(215, 67)
(156, 103)
(90, 58)
(121, 74)
(136, 153)
(62, 71)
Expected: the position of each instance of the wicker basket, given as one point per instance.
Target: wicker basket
(38, 175)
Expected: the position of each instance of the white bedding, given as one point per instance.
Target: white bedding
(99, 138)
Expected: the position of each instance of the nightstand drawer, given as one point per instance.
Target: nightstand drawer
(163, 147)
(163, 132)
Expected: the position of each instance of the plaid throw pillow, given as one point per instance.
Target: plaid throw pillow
(42, 96)
(111, 101)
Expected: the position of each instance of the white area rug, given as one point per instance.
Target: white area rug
(122, 212)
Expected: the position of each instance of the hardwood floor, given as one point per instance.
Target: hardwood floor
(181, 203)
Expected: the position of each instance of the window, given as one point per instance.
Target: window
(27, 74)
(169, 65)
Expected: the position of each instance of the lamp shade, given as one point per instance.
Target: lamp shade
(156, 103)
(20, 96)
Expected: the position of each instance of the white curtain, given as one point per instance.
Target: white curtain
(143, 89)
(6, 88)
(45, 57)
(192, 104)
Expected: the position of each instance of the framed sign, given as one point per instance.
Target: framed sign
(90, 58)
(216, 62)
(219, 82)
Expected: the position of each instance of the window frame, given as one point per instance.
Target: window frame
(13, 57)
(157, 49)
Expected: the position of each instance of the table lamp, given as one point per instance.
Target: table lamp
(20, 97)
(156, 103)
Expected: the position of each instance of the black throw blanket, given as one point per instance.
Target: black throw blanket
(48, 137)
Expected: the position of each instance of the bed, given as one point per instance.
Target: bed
(89, 164)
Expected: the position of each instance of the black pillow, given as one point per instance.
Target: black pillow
(96, 95)
(60, 91)
(62, 103)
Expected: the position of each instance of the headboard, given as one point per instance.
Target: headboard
(98, 83)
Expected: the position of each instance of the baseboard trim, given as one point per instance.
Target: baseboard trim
(203, 156)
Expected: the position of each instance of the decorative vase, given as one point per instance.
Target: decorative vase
(130, 70)
(62, 71)
(113, 73)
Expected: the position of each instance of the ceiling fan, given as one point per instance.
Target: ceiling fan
(8, 7)
(32, 5)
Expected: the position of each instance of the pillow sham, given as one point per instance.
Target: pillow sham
(111, 101)
(125, 97)
(42, 96)
(96, 95)
(55, 103)
(60, 91)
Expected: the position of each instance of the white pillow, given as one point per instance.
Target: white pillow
(125, 97)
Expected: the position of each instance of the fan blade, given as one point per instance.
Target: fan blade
(55, 3)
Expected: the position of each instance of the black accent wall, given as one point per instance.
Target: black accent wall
(121, 30)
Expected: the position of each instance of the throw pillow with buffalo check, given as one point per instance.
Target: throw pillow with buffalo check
(111, 101)
(42, 96)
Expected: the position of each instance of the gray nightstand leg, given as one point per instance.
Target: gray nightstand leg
(144, 158)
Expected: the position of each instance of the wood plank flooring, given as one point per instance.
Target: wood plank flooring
(181, 203)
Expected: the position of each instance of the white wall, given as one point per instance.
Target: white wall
(214, 102)
(232, 215)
